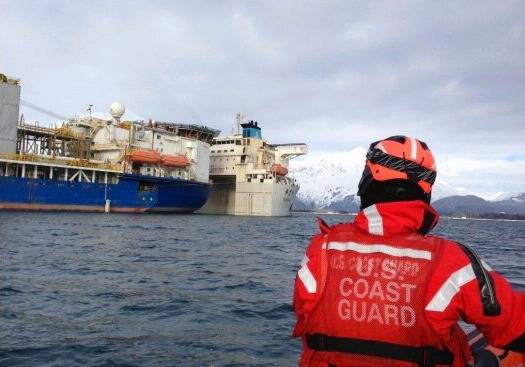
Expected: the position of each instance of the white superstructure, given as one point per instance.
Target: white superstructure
(128, 144)
(249, 175)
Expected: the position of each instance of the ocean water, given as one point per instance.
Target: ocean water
(172, 290)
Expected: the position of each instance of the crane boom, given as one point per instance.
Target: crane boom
(34, 107)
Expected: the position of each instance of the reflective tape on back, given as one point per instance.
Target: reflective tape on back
(384, 249)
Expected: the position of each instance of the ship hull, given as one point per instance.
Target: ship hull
(132, 194)
(251, 199)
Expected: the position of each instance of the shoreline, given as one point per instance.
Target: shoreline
(488, 216)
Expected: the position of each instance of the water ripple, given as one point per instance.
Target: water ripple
(162, 290)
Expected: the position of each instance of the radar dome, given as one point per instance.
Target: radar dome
(117, 109)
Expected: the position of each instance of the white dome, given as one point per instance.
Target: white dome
(117, 109)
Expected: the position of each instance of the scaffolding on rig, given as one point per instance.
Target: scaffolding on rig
(61, 142)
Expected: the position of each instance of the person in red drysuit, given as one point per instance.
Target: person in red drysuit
(380, 291)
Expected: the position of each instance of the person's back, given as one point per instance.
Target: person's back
(381, 292)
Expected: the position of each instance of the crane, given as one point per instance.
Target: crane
(34, 107)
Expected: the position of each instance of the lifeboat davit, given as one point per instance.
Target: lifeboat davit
(279, 170)
(145, 156)
(180, 161)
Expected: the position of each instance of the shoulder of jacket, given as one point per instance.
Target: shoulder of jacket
(316, 244)
(450, 252)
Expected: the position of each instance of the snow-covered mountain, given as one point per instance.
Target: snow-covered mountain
(329, 180)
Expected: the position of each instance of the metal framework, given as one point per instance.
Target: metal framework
(191, 131)
(62, 142)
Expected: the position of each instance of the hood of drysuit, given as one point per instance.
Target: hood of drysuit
(397, 218)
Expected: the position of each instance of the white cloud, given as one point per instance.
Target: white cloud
(488, 178)
(248, 34)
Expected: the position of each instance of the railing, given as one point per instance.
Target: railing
(74, 162)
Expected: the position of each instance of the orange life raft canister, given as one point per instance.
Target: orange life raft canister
(145, 156)
(279, 170)
(175, 160)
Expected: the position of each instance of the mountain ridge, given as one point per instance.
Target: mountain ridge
(329, 181)
(469, 205)
(460, 205)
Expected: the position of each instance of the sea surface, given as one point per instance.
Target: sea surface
(172, 290)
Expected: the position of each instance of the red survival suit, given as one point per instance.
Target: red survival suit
(378, 292)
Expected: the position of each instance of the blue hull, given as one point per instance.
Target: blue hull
(133, 193)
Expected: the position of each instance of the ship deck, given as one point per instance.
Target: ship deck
(62, 162)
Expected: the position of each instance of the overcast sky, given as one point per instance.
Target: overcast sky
(334, 74)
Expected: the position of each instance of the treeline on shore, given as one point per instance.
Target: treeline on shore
(489, 216)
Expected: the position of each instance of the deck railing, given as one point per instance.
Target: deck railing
(63, 132)
(72, 162)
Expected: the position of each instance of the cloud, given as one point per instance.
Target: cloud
(336, 75)
(487, 178)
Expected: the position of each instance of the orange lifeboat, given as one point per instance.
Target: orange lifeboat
(279, 170)
(175, 161)
(145, 156)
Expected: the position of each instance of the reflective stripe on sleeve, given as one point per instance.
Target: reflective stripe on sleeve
(384, 249)
(450, 288)
(308, 279)
(375, 222)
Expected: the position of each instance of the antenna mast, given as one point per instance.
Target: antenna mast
(238, 120)
(90, 109)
